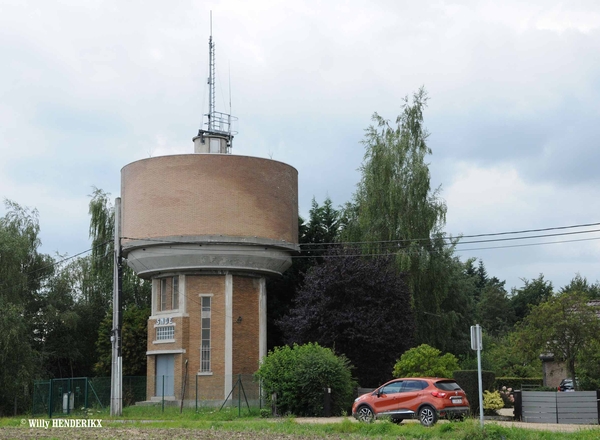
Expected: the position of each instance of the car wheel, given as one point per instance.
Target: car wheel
(365, 414)
(427, 416)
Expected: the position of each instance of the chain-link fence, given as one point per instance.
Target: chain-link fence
(77, 395)
(192, 392)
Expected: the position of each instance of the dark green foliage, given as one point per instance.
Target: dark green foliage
(564, 325)
(425, 361)
(134, 333)
(588, 366)
(469, 382)
(580, 284)
(315, 237)
(494, 310)
(359, 306)
(533, 293)
(300, 374)
(516, 383)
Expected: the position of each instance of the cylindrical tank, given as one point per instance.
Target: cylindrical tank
(209, 212)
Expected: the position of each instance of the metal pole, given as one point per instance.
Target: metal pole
(163, 393)
(479, 377)
(239, 396)
(196, 393)
(116, 382)
(86, 394)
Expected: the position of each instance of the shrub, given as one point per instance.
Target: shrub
(507, 397)
(425, 361)
(468, 381)
(492, 401)
(300, 374)
(516, 383)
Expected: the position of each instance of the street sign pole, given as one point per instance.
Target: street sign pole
(476, 344)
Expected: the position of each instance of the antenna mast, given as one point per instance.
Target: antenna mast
(218, 129)
(211, 78)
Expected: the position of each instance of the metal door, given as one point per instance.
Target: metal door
(165, 370)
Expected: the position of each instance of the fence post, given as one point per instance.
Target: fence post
(327, 402)
(86, 394)
(69, 396)
(196, 393)
(518, 411)
(163, 393)
(50, 401)
(598, 400)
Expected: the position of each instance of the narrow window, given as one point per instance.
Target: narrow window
(163, 294)
(175, 294)
(205, 343)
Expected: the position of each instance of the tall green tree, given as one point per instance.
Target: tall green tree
(564, 325)
(395, 210)
(581, 284)
(24, 272)
(531, 294)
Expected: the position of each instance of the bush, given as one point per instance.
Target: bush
(516, 382)
(300, 374)
(492, 401)
(469, 382)
(507, 397)
(425, 361)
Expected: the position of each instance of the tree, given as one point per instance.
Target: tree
(299, 374)
(394, 210)
(580, 284)
(564, 325)
(358, 306)
(23, 273)
(494, 310)
(425, 361)
(533, 293)
(315, 237)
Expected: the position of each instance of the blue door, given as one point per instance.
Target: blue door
(165, 370)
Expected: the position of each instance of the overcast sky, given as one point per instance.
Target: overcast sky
(87, 87)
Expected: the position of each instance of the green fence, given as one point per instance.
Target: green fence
(77, 395)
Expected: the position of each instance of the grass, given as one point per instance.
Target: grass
(228, 420)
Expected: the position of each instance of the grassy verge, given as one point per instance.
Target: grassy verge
(228, 421)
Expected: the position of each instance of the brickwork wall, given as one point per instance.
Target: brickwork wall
(215, 285)
(210, 194)
(245, 333)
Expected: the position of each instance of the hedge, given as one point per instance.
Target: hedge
(516, 382)
(469, 382)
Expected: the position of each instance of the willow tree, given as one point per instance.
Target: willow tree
(395, 210)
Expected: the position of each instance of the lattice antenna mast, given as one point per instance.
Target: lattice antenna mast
(219, 126)
(211, 79)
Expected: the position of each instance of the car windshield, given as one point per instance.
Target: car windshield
(447, 385)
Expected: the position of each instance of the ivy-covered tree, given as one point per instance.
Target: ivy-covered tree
(358, 306)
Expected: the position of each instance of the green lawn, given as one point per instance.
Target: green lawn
(254, 426)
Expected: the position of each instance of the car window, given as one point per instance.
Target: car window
(391, 388)
(447, 385)
(413, 385)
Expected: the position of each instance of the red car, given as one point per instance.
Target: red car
(426, 398)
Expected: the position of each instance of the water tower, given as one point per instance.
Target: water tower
(207, 229)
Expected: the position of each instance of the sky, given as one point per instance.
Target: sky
(87, 87)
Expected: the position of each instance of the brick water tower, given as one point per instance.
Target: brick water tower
(207, 229)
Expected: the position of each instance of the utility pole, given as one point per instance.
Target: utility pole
(116, 379)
